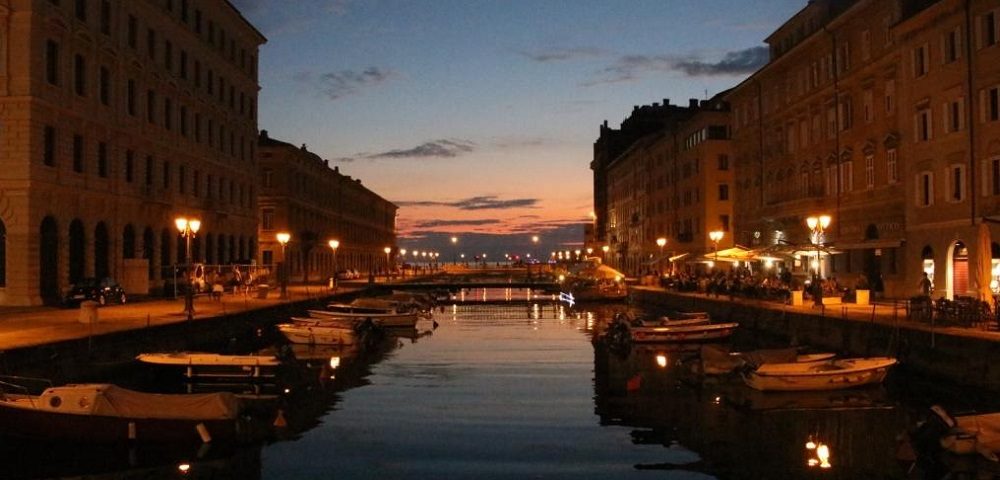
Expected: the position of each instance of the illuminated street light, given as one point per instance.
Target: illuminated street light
(716, 236)
(283, 238)
(188, 228)
(334, 245)
(817, 225)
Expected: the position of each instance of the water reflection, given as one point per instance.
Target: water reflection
(739, 433)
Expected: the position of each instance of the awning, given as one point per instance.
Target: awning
(868, 244)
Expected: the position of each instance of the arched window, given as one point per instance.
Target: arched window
(128, 242)
(101, 249)
(77, 251)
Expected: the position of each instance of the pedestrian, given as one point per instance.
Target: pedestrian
(926, 286)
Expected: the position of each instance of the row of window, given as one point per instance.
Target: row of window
(215, 36)
(241, 104)
(219, 188)
(955, 185)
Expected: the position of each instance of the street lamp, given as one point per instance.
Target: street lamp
(454, 249)
(188, 229)
(817, 225)
(716, 236)
(334, 244)
(283, 238)
(660, 242)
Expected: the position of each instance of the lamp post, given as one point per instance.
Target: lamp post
(716, 237)
(660, 242)
(334, 245)
(454, 249)
(188, 228)
(817, 225)
(387, 251)
(283, 238)
(402, 262)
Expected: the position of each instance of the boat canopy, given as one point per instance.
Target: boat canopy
(114, 401)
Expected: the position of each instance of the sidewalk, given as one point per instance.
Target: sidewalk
(26, 327)
(883, 314)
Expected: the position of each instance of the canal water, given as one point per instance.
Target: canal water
(520, 390)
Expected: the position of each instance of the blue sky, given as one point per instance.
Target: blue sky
(478, 117)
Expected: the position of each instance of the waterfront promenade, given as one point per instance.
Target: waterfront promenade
(34, 326)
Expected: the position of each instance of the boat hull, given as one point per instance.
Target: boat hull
(318, 335)
(391, 320)
(809, 377)
(687, 333)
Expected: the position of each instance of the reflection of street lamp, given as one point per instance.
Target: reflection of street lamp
(188, 228)
(817, 225)
(334, 244)
(283, 238)
(716, 236)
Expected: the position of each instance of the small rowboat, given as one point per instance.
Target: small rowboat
(318, 334)
(718, 360)
(212, 365)
(699, 332)
(107, 413)
(828, 375)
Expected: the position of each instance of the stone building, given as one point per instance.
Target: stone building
(948, 102)
(116, 117)
(672, 183)
(301, 195)
(817, 130)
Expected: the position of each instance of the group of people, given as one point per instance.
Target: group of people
(767, 285)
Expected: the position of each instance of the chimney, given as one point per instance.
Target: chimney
(263, 135)
(693, 103)
(666, 101)
(336, 169)
(656, 105)
(304, 148)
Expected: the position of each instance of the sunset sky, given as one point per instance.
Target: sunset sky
(478, 117)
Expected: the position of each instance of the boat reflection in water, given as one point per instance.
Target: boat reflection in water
(305, 388)
(733, 432)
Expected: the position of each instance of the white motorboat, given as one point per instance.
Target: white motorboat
(318, 334)
(212, 365)
(825, 375)
(385, 319)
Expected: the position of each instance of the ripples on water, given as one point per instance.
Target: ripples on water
(519, 390)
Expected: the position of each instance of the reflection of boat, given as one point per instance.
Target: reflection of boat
(830, 375)
(211, 365)
(319, 333)
(874, 397)
(108, 413)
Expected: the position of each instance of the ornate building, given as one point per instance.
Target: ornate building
(116, 117)
(817, 131)
(300, 194)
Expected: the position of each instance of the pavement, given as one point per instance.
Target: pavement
(890, 313)
(32, 326)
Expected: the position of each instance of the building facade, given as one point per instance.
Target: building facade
(673, 183)
(950, 109)
(301, 195)
(116, 117)
(817, 131)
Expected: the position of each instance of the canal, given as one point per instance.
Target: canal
(511, 391)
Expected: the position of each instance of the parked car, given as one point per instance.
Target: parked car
(101, 291)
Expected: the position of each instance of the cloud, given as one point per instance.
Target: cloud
(336, 85)
(276, 18)
(512, 142)
(627, 68)
(431, 149)
(487, 202)
(562, 54)
(455, 223)
(733, 63)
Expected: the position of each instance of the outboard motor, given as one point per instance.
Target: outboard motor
(926, 437)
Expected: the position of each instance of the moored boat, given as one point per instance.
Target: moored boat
(718, 360)
(212, 365)
(825, 375)
(318, 333)
(698, 332)
(390, 320)
(108, 413)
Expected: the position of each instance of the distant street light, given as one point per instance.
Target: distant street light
(716, 236)
(334, 244)
(283, 238)
(388, 268)
(660, 242)
(188, 229)
(454, 249)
